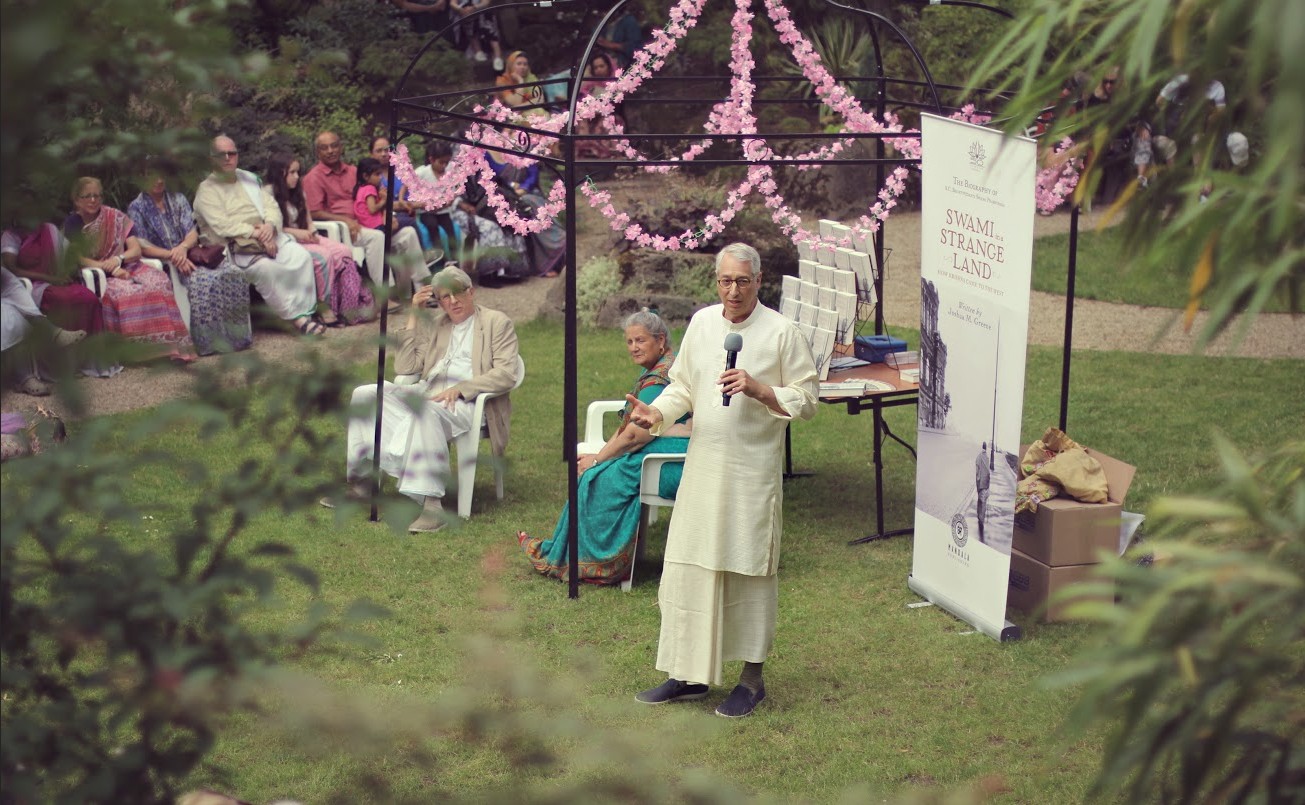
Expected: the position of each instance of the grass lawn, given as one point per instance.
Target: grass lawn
(1106, 272)
(863, 691)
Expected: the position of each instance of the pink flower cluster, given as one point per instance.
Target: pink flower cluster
(1054, 184)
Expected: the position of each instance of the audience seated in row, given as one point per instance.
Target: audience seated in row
(331, 189)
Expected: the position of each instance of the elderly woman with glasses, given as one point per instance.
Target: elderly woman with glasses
(138, 302)
(608, 494)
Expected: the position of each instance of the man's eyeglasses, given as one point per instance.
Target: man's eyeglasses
(445, 296)
(90, 196)
(729, 282)
(225, 154)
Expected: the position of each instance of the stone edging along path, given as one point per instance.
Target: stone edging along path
(1097, 326)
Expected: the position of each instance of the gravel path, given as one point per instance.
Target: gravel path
(1097, 325)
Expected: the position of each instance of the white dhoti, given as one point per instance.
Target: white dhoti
(711, 617)
(286, 282)
(415, 436)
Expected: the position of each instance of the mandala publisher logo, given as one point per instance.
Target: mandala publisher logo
(978, 155)
(960, 530)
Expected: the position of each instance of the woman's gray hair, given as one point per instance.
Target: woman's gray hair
(650, 321)
(451, 279)
(743, 253)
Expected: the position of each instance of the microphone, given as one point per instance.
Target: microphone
(733, 346)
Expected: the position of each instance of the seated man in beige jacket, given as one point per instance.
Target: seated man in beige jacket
(459, 351)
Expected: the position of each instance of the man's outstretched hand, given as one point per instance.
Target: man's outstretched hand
(644, 416)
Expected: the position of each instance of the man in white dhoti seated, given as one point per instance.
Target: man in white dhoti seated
(234, 210)
(458, 352)
(719, 591)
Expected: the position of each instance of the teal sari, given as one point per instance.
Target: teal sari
(608, 501)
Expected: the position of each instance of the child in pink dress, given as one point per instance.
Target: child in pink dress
(369, 195)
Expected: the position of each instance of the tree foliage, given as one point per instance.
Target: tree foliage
(1247, 242)
(1201, 672)
(95, 87)
(119, 660)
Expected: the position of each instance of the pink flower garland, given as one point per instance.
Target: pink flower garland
(733, 115)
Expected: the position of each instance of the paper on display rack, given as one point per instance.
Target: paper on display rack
(806, 251)
(810, 293)
(865, 278)
(788, 308)
(809, 335)
(845, 281)
(827, 320)
(790, 287)
(846, 305)
(827, 299)
(864, 241)
(822, 349)
(808, 313)
(807, 271)
(825, 276)
(826, 227)
(825, 255)
(843, 258)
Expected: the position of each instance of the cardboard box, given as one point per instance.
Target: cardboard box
(1065, 532)
(1033, 583)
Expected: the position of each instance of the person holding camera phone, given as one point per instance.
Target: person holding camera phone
(459, 351)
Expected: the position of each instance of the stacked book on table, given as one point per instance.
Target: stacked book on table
(852, 388)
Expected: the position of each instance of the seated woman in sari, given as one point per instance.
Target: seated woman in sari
(597, 75)
(37, 254)
(138, 302)
(219, 295)
(528, 100)
(608, 493)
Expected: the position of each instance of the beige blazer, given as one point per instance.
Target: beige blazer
(493, 358)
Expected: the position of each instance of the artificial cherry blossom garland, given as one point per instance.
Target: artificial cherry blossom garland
(733, 115)
(1054, 184)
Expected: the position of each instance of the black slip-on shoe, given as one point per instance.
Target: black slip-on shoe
(741, 702)
(672, 690)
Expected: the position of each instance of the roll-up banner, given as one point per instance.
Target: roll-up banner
(976, 260)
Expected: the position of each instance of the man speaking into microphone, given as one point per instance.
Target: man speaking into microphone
(745, 372)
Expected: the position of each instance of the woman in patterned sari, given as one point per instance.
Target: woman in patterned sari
(138, 302)
(608, 491)
(219, 297)
(339, 284)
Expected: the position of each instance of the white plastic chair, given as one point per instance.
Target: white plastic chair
(338, 231)
(468, 444)
(180, 293)
(650, 475)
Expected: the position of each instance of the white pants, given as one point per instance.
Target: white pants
(16, 307)
(415, 436)
(286, 282)
(407, 245)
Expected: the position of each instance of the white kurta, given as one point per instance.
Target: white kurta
(727, 514)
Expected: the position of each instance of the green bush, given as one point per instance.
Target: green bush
(596, 280)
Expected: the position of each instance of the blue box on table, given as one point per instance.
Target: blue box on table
(873, 348)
